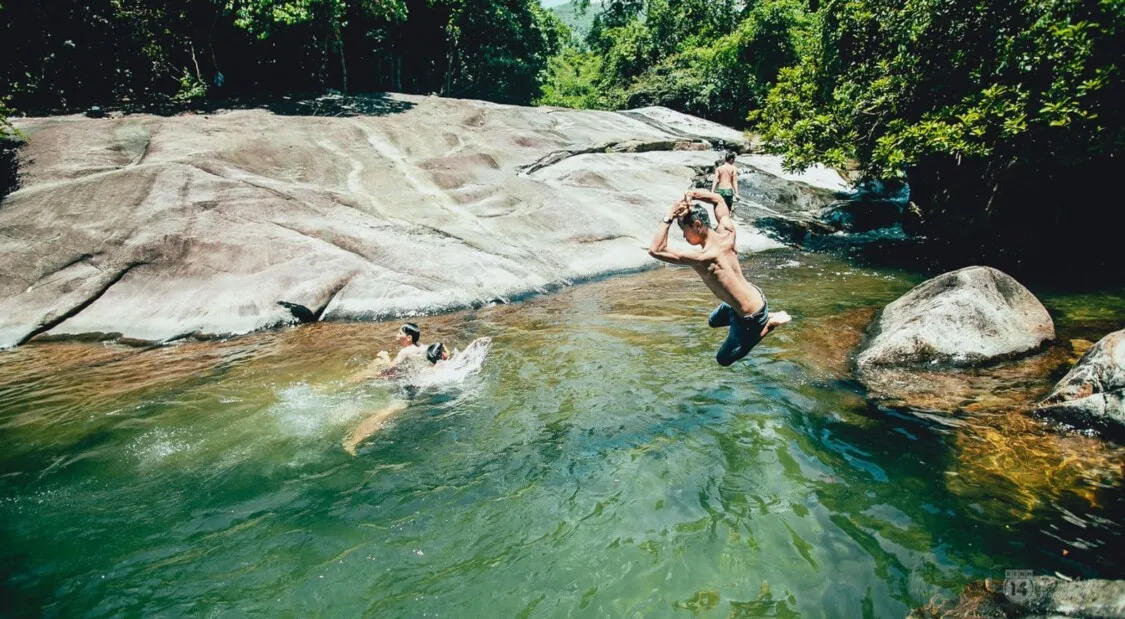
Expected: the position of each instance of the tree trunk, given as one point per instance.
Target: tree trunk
(343, 62)
(195, 61)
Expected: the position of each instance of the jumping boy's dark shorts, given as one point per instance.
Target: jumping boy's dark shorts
(745, 332)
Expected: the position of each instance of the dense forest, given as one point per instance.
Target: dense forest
(66, 55)
(1002, 115)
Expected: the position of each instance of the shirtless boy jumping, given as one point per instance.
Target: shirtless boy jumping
(743, 308)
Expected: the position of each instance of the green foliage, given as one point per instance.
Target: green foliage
(889, 83)
(262, 16)
(191, 87)
(714, 59)
(112, 52)
(577, 18)
(6, 128)
(1003, 116)
(571, 81)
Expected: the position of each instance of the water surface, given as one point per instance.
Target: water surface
(601, 464)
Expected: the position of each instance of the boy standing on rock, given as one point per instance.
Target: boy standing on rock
(726, 181)
(743, 308)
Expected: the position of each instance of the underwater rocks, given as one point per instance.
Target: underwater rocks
(1040, 597)
(1092, 394)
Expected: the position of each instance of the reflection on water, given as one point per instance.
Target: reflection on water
(600, 464)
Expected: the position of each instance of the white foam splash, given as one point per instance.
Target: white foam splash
(302, 410)
(156, 445)
(463, 365)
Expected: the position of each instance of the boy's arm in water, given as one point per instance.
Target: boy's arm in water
(375, 369)
(723, 220)
(659, 247)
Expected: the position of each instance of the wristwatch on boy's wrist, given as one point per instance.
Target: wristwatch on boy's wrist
(668, 220)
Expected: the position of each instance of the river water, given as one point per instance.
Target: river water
(599, 465)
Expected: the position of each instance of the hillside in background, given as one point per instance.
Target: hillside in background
(578, 21)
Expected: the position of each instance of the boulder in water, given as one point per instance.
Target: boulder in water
(1092, 394)
(967, 317)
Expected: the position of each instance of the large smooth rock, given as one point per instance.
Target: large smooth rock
(1092, 394)
(365, 208)
(962, 318)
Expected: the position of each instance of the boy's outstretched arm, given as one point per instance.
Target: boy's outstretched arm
(723, 220)
(659, 247)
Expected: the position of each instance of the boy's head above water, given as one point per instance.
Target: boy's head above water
(695, 224)
(436, 352)
(408, 334)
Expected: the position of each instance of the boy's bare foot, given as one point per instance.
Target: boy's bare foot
(775, 320)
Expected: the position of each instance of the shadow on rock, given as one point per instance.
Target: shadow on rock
(333, 104)
(379, 104)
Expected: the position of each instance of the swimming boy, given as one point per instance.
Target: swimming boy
(726, 181)
(408, 356)
(743, 307)
(435, 354)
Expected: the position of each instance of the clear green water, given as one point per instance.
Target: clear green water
(601, 465)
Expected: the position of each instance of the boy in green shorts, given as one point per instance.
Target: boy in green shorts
(726, 181)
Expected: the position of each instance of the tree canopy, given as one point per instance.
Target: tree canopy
(997, 112)
(108, 52)
(1003, 115)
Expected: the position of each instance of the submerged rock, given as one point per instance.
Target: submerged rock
(966, 317)
(1013, 384)
(155, 227)
(1039, 597)
(1092, 394)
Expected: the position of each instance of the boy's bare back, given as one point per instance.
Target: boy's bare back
(726, 174)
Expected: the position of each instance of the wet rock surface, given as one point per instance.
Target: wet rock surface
(1092, 394)
(1039, 597)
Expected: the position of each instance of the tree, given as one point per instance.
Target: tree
(143, 52)
(997, 113)
(713, 59)
(327, 18)
(499, 49)
(572, 81)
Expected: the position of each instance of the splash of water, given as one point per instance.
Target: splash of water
(463, 365)
(303, 410)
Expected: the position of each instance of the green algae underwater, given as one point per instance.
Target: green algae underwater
(600, 465)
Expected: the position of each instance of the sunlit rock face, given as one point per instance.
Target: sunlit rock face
(966, 317)
(154, 227)
(1092, 394)
(969, 340)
